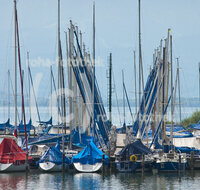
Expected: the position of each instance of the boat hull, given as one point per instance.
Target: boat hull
(50, 167)
(126, 166)
(148, 165)
(12, 168)
(87, 168)
(170, 166)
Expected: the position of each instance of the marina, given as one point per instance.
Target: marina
(75, 136)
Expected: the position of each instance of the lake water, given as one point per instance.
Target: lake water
(44, 181)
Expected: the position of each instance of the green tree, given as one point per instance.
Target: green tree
(195, 118)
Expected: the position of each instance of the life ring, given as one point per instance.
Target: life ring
(133, 156)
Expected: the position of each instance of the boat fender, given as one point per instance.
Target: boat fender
(133, 158)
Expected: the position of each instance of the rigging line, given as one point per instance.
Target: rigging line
(128, 102)
(25, 87)
(117, 99)
(13, 96)
(34, 93)
(54, 85)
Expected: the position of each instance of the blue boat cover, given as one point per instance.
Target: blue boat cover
(54, 155)
(5, 125)
(178, 132)
(187, 150)
(136, 147)
(47, 122)
(29, 126)
(20, 127)
(194, 126)
(90, 155)
(85, 139)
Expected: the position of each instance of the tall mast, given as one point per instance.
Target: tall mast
(123, 96)
(172, 109)
(139, 62)
(23, 86)
(93, 90)
(110, 89)
(163, 93)
(70, 80)
(51, 78)
(141, 79)
(135, 84)
(22, 89)
(58, 58)
(15, 13)
(8, 94)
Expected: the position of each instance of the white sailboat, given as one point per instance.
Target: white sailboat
(52, 160)
(50, 167)
(88, 168)
(90, 159)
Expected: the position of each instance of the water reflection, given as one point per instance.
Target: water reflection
(13, 181)
(92, 181)
(87, 180)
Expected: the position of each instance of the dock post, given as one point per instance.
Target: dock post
(179, 164)
(142, 164)
(103, 160)
(192, 160)
(63, 163)
(26, 162)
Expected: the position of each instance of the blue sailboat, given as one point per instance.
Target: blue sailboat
(90, 159)
(4, 127)
(129, 159)
(52, 160)
(170, 162)
(20, 128)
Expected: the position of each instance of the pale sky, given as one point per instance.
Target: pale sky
(116, 32)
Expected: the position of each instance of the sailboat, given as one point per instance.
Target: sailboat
(52, 160)
(129, 159)
(12, 157)
(170, 162)
(4, 127)
(90, 159)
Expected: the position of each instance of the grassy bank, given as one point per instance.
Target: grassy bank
(194, 118)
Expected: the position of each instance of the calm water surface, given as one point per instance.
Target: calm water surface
(44, 181)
